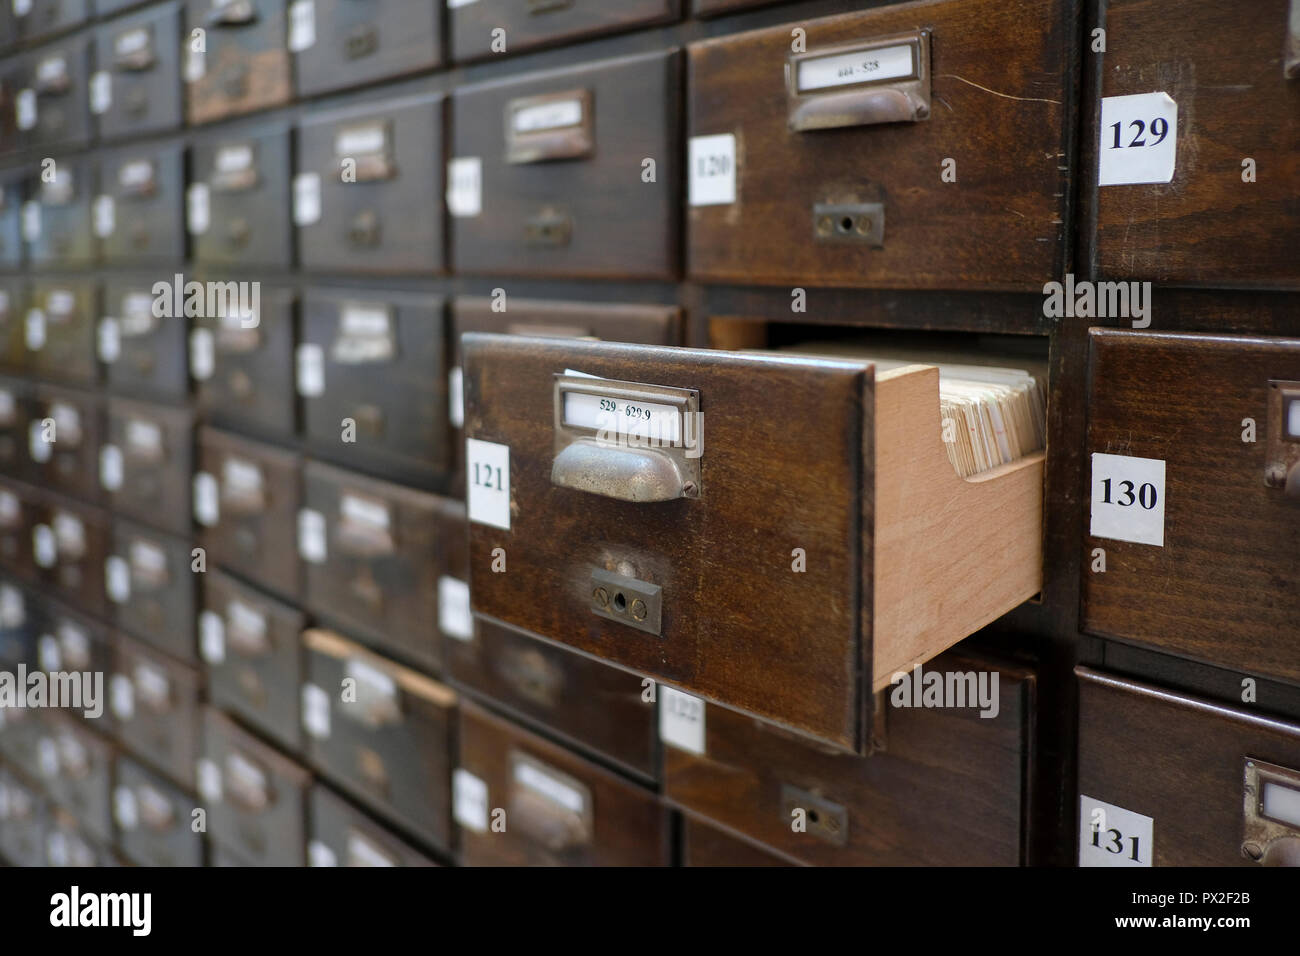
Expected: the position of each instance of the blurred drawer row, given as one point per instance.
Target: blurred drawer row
(586, 171)
(370, 379)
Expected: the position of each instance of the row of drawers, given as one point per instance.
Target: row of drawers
(586, 172)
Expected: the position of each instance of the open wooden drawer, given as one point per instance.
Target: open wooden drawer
(796, 538)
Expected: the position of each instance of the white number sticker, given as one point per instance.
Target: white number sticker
(681, 720)
(318, 854)
(1113, 836)
(311, 536)
(306, 199)
(203, 354)
(487, 474)
(101, 92)
(465, 186)
(1128, 499)
(31, 221)
(311, 370)
(454, 616)
(208, 777)
(212, 637)
(469, 800)
(1138, 139)
(207, 499)
(315, 711)
(110, 340)
(117, 579)
(121, 697)
(712, 170)
(198, 209)
(110, 467)
(25, 109)
(35, 330)
(302, 25)
(456, 397)
(104, 216)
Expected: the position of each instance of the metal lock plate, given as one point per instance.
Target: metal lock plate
(850, 222)
(550, 227)
(1282, 464)
(617, 597)
(823, 819)
(886, 80)
(1271, 814)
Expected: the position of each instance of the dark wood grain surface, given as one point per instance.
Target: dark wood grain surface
(248, 66)
(359, 43)
(164, 733)
(143, 100)
(155, 481)
(528, 25)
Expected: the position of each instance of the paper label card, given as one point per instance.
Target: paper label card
(712, 170)
(1138, 139)
(487, 479)
(681, 720)
(1112, 836)
(1128, 499)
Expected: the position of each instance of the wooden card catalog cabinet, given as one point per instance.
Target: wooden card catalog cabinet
(916, 145)
(781, 539)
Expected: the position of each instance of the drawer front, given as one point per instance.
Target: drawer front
(71, 641)
(360, 173)
(246, 500)
(147, 464)
(947, 790)
(704, 844)
(494, 27)
(13, 324)
(721, 575)
(713, 8)
(778, 198)
(341, 835)
(138, 80)
(595, 706)
(64, 439)
(551, 196)
(57, 228)
(256, 798)
(383, 360)
(59, 77)
(21, 511)
(142, 353)
(60, 332)
(1194, 785)
(153, 819)
(69, 843)
(140, 212)
(156, 702)
(77, 765)
(1218, 497)
(22, 823)
(244, 375)
(22, 617)
(21, 744)
(389, 742)
(41, 18)
(16, 407)
(351, 43)
(562, 809)
(246, 63)
(373, 554)
(251, 650)
(13, 191)
(1215, 222)
(237, 207)
(80, 537)
(149, 579)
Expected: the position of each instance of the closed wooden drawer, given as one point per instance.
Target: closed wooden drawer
(704, 844)
(557, 185)
(57, 216)
(252, 655)
(342, 835)
(58, 85)
(805, 170)
(351, 43)
(13, 191)
(150, 579)
(245, 374)
(246, 64)
(155, 699)
(68, 843)
(74, 546)
(64, 439)
(560, 809)
(60, 331)
(589, 703)
(493, 27)
(246, 498)
(15, 417)
(77, 769)
(1194, 445)
(71, 641)
(146, 464)
(41, 18)
(143, 354)
(713, 8)
(381, 733)
(13, 324)
(21, 510)
(237, 204)
(946, 790)
(256, 798)
(1203, 784)
(22, 813)
(373, 554)
(154, 819)
(840, 566)
(21, 618)
(361, 171)
(1230, 213)
(139, 215)
(137, 87)
(379, 402)
(20, 746)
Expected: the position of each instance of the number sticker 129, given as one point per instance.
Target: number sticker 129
(1138, 140)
